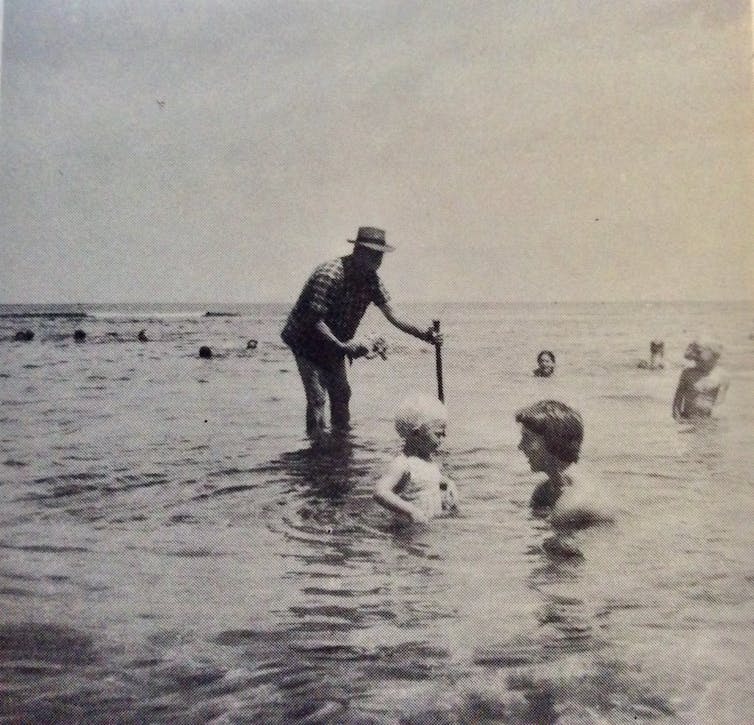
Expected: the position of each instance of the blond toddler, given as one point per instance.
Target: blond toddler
(413, 486)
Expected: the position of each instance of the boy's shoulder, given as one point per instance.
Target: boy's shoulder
(583, 503)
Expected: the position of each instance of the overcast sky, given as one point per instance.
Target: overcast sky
(192, 150)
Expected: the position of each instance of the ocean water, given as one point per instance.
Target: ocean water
(172, 549)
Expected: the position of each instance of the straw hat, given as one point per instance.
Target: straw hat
(372, 238)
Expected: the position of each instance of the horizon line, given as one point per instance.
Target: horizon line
(403, 302)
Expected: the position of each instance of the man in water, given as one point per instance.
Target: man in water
(702, 386)
(321, 326)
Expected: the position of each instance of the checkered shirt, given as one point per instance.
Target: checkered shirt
(338, 294)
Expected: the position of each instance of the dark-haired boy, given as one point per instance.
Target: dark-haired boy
(545, 364)
(551, 437)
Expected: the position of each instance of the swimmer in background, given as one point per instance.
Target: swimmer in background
(414, 485)
(702, 386)
(551, 437)
(656, 353)
(545, 364)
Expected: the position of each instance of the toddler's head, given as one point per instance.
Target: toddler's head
(559, 427)
(421, 421)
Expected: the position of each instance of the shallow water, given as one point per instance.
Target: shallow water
(174, 550)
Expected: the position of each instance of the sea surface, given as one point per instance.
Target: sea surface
(173, 549)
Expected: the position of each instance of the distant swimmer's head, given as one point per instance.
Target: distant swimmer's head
(79, 335)
(545, 364)
(704, 349)
(205, 352)
(550, 429)
(421, 420)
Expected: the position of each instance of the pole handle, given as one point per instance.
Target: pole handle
(438, 363)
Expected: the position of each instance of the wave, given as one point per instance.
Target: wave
(145, 315)
(46, 315)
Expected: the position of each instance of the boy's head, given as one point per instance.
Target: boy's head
(546, 362)
(550, 427)
(421, 415)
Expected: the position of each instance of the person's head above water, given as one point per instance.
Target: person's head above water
(421, 421)
(550, 427)
(704, 350)
(419, 410)
(545, 364)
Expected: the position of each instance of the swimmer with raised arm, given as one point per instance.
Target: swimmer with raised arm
(702, 386)
(551, 437)
(656, 353)
(414, 486)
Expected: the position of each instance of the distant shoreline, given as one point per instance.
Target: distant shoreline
(209, 311)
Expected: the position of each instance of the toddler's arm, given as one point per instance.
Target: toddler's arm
(449, 496)
(385, 495)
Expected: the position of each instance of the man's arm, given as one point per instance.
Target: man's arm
(354, 348)
(428, 335)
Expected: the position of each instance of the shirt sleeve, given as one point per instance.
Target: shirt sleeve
(322, 286)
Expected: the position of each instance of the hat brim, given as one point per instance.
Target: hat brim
(372, 245)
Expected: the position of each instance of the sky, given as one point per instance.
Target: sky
(514, 150)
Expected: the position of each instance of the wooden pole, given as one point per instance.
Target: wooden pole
(438, 362)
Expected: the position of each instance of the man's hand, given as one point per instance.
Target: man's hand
(378, 348)
(432, 336)
(355, 348)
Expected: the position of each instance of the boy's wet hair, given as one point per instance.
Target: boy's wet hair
(418, 410)
(545, 352)
(559, 425)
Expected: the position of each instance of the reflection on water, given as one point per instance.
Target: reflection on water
(174, 550)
